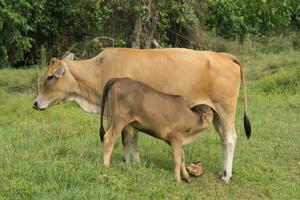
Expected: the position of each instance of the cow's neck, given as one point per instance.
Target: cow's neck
(88, 89)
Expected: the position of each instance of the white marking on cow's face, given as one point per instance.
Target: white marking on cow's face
(42, 103)
(39, 104)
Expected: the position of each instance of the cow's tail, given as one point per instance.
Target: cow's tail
(104, 98)
(247, 125)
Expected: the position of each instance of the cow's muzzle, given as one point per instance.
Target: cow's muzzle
(35, 106)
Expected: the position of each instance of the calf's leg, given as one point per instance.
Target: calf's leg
(109, 140)
(177, 154)
(183, 169)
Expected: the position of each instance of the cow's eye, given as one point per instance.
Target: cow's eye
(50, 77)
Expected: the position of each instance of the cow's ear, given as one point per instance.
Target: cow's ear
(59, 71)
(53, 60)
(69, 57)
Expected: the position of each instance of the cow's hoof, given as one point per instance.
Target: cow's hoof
(225, 179)
(136, 159)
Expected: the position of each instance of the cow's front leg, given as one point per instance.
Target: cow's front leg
(126, 141)
(130, 139)
(136, 155)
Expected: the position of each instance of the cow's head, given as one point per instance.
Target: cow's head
(57, 87)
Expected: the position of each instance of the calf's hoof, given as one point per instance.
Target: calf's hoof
(188, 179)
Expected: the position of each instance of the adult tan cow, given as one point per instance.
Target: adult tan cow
(201, 77)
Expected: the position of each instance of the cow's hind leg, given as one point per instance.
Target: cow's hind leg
(226, 129)
(218, 127)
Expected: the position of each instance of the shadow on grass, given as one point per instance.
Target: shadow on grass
(164, 162)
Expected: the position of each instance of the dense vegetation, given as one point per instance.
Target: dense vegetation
(28, 25)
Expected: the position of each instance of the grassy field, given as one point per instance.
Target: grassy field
(56, 154)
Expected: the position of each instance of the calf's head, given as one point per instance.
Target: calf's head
(58, 84)
(205, 113)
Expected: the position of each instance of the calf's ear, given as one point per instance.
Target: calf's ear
(59, 71)
(207, 117)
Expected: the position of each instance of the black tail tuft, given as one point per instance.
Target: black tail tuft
(247, 126)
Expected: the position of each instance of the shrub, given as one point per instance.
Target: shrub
(284, 82)
(14, 29)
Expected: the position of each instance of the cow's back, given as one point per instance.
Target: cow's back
(201, 77)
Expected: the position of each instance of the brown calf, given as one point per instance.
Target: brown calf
(135, 104)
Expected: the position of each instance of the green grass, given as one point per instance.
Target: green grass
(56, 154)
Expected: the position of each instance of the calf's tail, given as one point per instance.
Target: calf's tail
(104, 98)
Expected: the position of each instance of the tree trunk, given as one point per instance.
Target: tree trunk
(145, 27)
(136, 40)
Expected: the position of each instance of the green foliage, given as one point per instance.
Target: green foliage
(275, 45)
(235, 19)
(60, 24)
(14, 28)
(284, 82)
(296, 40)
(27, 25)
(178, 24)
(225, 17)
